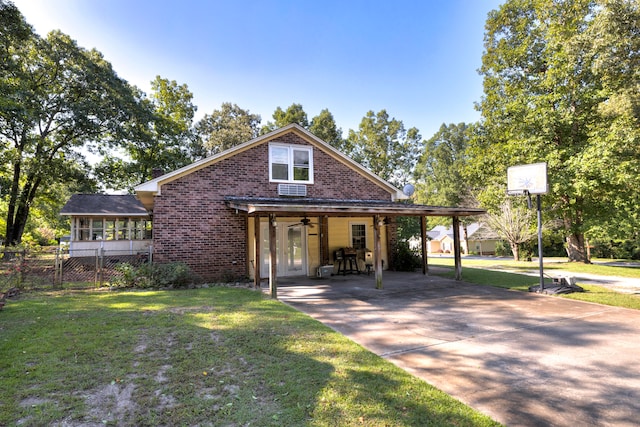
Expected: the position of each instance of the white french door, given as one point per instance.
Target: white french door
(291, 249)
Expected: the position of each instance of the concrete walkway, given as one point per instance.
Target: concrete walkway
(522, 358)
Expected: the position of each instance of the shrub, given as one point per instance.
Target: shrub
(620, 249)
(405, 259)
(176, 274)
(503, 248)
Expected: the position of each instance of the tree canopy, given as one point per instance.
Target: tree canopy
(324, 127)
(56, 98)
(159, 136)
(383, 145)
(227, 127)
(293, 114)
(548, 97)
(439, 172)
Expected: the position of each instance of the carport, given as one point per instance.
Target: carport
(382, 212)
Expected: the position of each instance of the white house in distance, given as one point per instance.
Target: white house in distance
(480, 239)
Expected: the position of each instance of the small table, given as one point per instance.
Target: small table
(350, 260)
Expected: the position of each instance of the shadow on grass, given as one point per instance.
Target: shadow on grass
(211, 356)
(515, 281)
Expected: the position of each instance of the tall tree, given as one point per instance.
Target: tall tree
(293, 114)
(58, 97)
(439, 171)
(227, 127)
(615, 33)
(160, 136)
(546, 99)
(383, 145)
(324, 127)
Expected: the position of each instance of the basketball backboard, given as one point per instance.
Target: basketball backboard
(527, 178)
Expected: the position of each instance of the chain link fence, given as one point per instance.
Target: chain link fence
(55, 268)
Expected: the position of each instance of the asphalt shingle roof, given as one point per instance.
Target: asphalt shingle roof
(104, 204)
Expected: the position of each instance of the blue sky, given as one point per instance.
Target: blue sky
(416, 59)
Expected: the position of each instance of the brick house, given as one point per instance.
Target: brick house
(286, 195)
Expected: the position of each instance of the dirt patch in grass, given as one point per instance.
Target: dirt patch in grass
(33, 401)
(116, 403)
(112, 402)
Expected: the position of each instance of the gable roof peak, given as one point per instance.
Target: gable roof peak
(147, 189)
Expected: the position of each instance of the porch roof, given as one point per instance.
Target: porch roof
(123, 205)
(342, 207)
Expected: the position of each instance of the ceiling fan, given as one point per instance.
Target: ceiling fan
(304, 222)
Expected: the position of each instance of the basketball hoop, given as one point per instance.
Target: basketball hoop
(523, 179)
(527, 180)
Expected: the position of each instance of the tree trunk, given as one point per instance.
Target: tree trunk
(19, 213)
(515, 249)
(576, 249)
(11, 207)
(466, 239)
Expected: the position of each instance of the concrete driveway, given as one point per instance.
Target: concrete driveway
(522, 358)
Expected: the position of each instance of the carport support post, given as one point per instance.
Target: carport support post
(423, 241)
(257, 255)
(273, 281)
(456, 248)
(377, 250)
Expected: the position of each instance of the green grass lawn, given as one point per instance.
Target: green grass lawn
(217, 356)
(552, 264)
(484, 272)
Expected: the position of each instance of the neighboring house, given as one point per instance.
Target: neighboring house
(286, 196)
(480, 239)
(483, 240)
(112, 223)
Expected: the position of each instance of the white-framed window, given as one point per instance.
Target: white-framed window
(358, 233)
(290, 163)
(87, 228)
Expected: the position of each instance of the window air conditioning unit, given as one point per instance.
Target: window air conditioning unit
(297, 190)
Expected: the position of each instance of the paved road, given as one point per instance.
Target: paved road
(522, 358)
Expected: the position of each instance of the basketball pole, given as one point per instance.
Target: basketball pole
(539, 203)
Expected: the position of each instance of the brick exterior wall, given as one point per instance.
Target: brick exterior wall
(191, 222)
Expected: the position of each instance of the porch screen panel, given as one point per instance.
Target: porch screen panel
(109, 230)
(83, 229)
(122, 230)
(97, 231)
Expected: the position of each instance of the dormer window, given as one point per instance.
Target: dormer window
(290, 163)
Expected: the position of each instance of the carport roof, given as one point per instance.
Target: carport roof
(338, 207)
